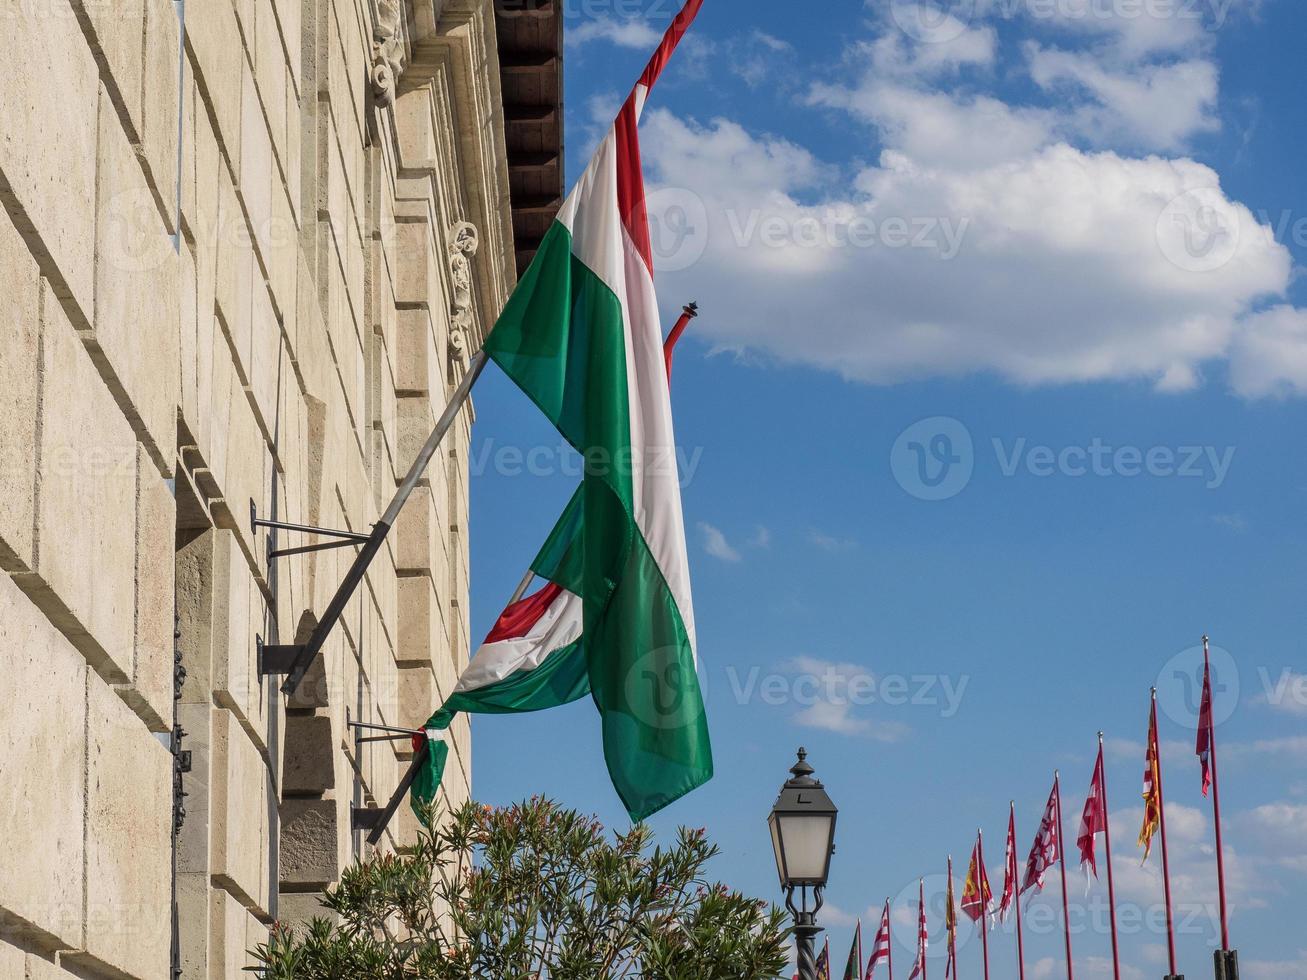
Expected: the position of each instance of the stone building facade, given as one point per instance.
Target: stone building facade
(245, 248)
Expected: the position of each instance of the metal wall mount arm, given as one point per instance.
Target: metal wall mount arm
(375, 820)
(343, 538)
(296, 658)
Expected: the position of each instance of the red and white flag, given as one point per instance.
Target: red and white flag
(1093, 821)
(1047, 848)
(880, 949)
(1010, 870)
(1205, 733)
(923, 938)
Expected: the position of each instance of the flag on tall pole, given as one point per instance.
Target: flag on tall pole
(882, 948)
(978, 897)
(823, 962)
(1206, 750)
(1047, 848)
(1061, 859)
(923, 938)
(1010, 876)
(853, 969)
(1152, 788)
(580, 336)
(1092, 822)
(1155, 821)
(1101, 825)
(951, 927)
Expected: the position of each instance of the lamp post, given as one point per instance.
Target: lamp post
(803, 836)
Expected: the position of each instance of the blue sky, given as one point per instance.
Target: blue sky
(993, 409)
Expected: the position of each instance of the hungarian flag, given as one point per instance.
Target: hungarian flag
(1152, 788)
(880, 949)
(923, 938)
(951, 927)
(1046, 850)
(1093, 821)
(1205, 733)
(853, 969)
(977, 896)
(580, 336)
(1010, 870)
(823, 963)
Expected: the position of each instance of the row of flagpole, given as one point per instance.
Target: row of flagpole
(1047, 851)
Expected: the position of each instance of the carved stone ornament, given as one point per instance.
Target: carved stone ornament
(463, 243)
(387, 51)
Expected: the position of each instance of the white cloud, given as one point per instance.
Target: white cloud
(829, 543)
(1286, 691)
(1269, 356)
(715, 543)
(624, 32)
(941, 130)
(761, 537)
(824, 689)
(1126, 31)
(1233, 522)
(1066, 266)
(1280, 832)
(1267, 970)
(1155, 107)
(758, 58)
(895, 53)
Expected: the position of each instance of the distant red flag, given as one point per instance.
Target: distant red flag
(880, 949)
(1094, 820)
(923, 937)
(1010, 871)
(1204, 747)
(977, 896)
(1046, 849)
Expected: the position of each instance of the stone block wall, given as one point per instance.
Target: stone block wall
(243, 254)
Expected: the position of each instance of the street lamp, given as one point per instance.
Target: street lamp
(803, 837)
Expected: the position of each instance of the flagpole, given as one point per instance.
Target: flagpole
(1166, 857)
(921, 906)
(982, 876)
(889, 957)
(1216, 807)
(1021, 945)
(1107, 847)
(1061, 852)
(303, 655)
(953, 933)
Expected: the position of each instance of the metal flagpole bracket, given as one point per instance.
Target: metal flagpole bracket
(365, 817)
(392, 734)
(343, 538)
(275, 659)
